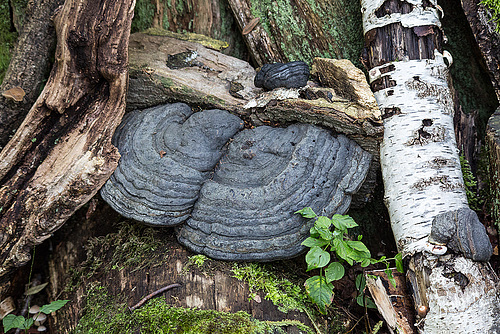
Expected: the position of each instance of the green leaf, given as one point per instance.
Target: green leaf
(362, 299)
(334, 271)
(343, 250)
(323, 223)
(358, 245)
(35, 289)
(13, 321)
(360, 282)
(365, 263)
(314, 232)
(343, 222)
(317, 258)
(307, 212)
(311, 242)
(390, 277)
(399, 262)
(54, 306)
(320, 292)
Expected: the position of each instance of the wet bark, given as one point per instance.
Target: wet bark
(62, 154)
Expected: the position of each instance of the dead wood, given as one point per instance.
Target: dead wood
(62, 154)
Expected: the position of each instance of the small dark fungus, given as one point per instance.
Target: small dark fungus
(290, 75)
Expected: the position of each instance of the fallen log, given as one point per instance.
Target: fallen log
(424, 188)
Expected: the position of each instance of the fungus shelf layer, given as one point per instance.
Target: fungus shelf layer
(167, 152)
(246, 211)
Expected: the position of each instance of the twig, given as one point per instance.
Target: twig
(153, 294)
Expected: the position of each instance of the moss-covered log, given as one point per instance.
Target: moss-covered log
(300, 30)
(124, 262)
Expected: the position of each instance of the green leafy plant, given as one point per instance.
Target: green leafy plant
(330, 236)
(18, 321)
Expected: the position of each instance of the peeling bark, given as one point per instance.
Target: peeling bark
(421, 169)
(62, 154)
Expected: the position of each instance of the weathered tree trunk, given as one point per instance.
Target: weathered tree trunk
(421, 170)
(62, 154)
(29, 65)
(487, 38)
(299, 30)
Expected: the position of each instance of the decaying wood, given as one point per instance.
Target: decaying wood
(408, 73)
(29, 65)
(62, 154)
(393, 302)
(488, 40)
(493, 144)
(209, 287)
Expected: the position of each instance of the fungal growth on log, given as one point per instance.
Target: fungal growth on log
(462, 231)
(290, 75)
(167, 152)
(243, 209)
(246, 211)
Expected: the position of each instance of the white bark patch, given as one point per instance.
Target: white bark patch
(459, 290)
(418, 136)
(419, 16)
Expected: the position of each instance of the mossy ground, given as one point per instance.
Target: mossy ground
(7, 37)
(108, 314)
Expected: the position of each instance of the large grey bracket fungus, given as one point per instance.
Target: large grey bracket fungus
(461, 231)
(246, 211)
(167, 152)
(290, 75)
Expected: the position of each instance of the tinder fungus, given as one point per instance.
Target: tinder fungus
(246, 211)
(167, 152)
(290, 75)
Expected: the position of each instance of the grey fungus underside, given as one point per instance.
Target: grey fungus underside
(237, 201)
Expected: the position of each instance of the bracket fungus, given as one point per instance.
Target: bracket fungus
(462, 231)
(246, 211)
(290, 75)
(167, 152)
(243, 209)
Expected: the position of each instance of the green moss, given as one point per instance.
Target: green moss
(281, 292)
(107, 314)
(340, 22)
(133, 246)
(494, 6)
(7, 38)
(143, 15)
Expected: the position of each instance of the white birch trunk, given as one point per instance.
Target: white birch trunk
(422, 179)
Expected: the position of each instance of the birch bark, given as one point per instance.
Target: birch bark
(424, 188)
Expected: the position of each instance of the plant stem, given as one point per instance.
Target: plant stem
(153, 294)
